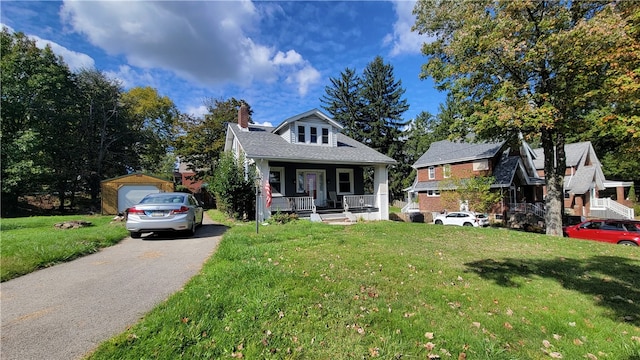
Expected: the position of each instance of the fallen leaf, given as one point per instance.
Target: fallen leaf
(374, 352)
(476, 324)
(577, 342)
(555, 355)
(462, 356)
(429, 346)
(546, 343)
(428, 335)
(557, 337)
(591, 356)
(508, 326)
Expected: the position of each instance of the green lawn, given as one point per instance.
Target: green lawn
(28, 244)
(394, 290)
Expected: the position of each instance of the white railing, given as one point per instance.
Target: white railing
(608, 204)
(359, 201)
(537, 209)
(411, 207)
(298, 203)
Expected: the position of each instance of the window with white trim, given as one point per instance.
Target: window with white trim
(325, 135)
(313, 135)
(433, 193)
(301, 134)
(276, 180)
(345, 181)
(446, 171)
(432, 172)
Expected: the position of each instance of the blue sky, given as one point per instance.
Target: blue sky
(279, 56)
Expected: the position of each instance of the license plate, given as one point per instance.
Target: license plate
(157, 213)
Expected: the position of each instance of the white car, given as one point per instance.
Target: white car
(462, 218)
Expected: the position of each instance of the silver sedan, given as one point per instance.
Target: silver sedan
(165, 212)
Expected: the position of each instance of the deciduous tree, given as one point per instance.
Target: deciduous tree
(534, 67)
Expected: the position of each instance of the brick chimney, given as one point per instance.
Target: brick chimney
(243, 116)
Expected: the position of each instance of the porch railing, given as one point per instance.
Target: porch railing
(359, 201)
(537, 209)
(411, 207)
(295, 204)
(608, 204)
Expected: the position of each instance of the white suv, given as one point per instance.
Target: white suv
(462, 218)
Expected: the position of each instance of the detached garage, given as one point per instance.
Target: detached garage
(120, 193)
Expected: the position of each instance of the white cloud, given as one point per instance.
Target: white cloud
(208, 42)
(197, 111)
(304, 78)
(73, 59)
(291, 57)
(403, 40)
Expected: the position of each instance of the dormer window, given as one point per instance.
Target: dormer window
(301, 134)
(325, 135)
(314, 135)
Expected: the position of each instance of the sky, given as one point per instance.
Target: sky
(279, 56)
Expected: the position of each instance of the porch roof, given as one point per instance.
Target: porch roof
(261, 143)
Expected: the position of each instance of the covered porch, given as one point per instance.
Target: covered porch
(321, 191)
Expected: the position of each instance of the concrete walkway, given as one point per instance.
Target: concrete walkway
(66, 311)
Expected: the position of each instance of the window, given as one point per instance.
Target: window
(433, 193)
(345, 181)
(325, 135)
(276, 177)
(432, 172)
(314, 135)
(481, 165)
(301, 134)
(446, 171)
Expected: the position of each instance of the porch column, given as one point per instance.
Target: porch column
(578, 208)
(381, 190)
(620, 199)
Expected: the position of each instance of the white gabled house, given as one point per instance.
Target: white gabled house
(312, 168)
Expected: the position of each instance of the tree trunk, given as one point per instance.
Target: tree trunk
(553, 142)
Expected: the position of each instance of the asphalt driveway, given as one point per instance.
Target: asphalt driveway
(66, 311)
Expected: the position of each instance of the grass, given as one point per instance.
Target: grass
(32, 243)
(397, 290)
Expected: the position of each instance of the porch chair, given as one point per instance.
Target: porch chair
(333, 199)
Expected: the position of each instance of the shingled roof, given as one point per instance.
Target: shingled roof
(449, 152)
(261, 142)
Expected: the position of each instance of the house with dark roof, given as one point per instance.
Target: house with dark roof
(519, 176)
(306, 165)
(586, 191)
(514, 172)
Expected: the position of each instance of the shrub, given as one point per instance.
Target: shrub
(233, 188)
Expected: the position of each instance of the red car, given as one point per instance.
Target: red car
(623, 232)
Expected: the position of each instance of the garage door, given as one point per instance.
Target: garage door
(129, 195)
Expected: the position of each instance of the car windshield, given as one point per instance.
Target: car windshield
(481, 216)
(163, 199)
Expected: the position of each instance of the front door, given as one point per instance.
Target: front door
(312, 182)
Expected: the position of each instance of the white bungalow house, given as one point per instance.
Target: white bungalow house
(311, 167)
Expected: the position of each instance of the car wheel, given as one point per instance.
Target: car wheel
(135, 234)
(467, 224)
(438, 222)
(192, 231)
(627, 243)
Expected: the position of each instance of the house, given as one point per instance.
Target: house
(585, 186)
(185, 176)
(514, 172)
(311, 168)
(519, 175)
